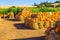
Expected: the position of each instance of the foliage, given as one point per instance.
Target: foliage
(57, 2)
(48, 4)
(11, 9)
(3, 11)
(45, 4)
(14, 10)
(45, 9)
(35, 4)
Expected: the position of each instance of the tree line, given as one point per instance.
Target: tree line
(47, 4)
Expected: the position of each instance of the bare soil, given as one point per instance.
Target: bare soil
(13, 29)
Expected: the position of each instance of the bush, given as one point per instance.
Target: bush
(14, 10)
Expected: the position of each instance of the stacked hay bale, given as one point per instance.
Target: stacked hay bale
(11, 15)
(38, 20)
(27, 21)
(32, 21)
(41, 20)
(23, 14)
(34, 24)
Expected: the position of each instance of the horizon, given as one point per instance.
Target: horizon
(22, 2)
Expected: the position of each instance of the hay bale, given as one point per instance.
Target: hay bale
(21, 18)
(41, 24)
(11, 15)
(52, 23)
(47, 24)
(31, 23)
(34, 25)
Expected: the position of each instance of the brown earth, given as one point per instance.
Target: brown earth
(12, 29)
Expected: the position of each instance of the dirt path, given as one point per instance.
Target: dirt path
(16, 30)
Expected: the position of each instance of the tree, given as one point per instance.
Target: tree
(57, 2)
(13, 7)
(45, 4)
(35, 4)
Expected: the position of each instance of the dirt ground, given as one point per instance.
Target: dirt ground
(12, 29)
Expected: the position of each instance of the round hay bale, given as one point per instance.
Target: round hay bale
(21, 18)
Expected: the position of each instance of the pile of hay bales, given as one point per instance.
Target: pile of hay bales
(31, 23)
(38, 20)
(23, 14)
(42, 20)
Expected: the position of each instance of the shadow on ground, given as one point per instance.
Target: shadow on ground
(21, 26)
(11, 19)
(32, 38)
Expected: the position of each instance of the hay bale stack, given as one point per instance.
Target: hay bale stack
(43, 19)
(34, 24)
(31, 23)
(11, 15)
(26, 12)
(23, 14)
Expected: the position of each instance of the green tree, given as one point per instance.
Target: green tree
(35, 4)
(57, 2)
(45, 4)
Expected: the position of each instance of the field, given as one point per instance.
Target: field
(29, 20)
(10, 29)
(27, 23)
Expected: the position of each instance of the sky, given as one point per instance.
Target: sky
(22, 2)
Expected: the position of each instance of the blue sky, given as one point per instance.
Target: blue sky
(22, 2)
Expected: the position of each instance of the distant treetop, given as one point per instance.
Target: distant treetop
(57, 2)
